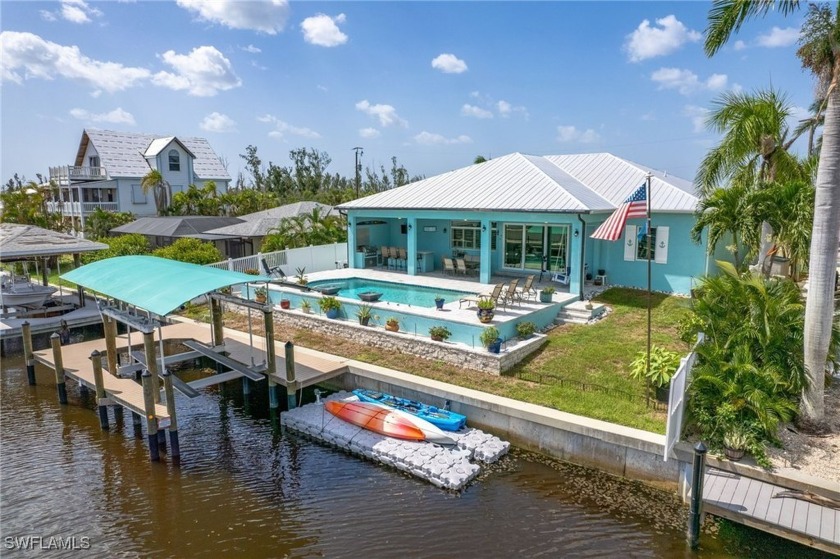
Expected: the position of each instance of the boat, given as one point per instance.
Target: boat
(445, 419)
(387, 421)
(24, 293)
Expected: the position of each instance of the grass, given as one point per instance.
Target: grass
(595, 354)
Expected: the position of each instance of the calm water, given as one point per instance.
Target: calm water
(413, 295)
(245, 490)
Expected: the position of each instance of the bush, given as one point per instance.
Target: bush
(525, 329)
(329, 303)
(190, 250)
(441, 332)
(124, 245)
(663, 365)
(489, 335)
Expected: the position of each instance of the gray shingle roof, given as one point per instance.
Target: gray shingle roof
(121, 154)
(26, 241)
(258, 224)
(176, 226)
(525, 183)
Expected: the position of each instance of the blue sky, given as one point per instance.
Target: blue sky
(434, 84)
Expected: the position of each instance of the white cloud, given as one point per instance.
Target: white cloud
(203, 72)
(386, 114)
(698, 116)
(218, 122)
(27, 56)
(648, 42)
(449, 64)
(78, 11)
(282, 129)
(476, 112)
(369, 133)
(117, 116)
(430, 139)
(686, 81)
(777, 37)
(47, 15)
(572, 134)
(739, 45)
(506, 109)
(322, 30)
(252, 49)
(265, 17)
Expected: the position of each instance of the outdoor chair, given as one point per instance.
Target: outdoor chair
(390, 257)
(495, 296)
(511, 294)
(461, 266)
(527, 290)
(448, 266)
(402, 261)
(274, 273)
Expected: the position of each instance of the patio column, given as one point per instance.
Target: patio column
(575, 263)
(486, 268)
(351, 241)
(411, 265)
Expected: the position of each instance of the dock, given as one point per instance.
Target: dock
(793, 514)
(10, 324)
(445, 467)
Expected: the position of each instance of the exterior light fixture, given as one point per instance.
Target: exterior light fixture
(577, 233)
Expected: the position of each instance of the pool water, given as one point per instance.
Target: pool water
(412, 295)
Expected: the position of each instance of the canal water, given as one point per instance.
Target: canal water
(246, 490)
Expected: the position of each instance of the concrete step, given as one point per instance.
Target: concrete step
(577, 313)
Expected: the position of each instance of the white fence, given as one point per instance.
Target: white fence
(676, 400)
(312, 258)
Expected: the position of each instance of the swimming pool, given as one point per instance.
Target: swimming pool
(404, 294)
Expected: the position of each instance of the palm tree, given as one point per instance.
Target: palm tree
(810, 125)
(154, 181)
(819, 50)
(789, 209)
(728, 211)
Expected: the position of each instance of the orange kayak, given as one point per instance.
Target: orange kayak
(386, 421)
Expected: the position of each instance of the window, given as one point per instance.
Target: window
(137, 195)
(174, 160)
(93, 161)
(465, 234)
(642, 245)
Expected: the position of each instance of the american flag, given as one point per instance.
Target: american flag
(634, 206)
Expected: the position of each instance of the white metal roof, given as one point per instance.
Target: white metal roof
(525, 183)
(159, 144)
(122, 154)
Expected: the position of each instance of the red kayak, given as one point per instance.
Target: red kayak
(386, 421)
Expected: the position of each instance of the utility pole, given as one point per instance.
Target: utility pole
(359, 153)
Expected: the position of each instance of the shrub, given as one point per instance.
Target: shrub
(251, 271)
(124, 245)
(441, 332)
(329, 303)
(525, 329)
(489, 335)
(190, 250)
(663, 365)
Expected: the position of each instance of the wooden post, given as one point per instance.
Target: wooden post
(59, 368)
(151, 362)
(110, 327)
(270, 359)
(173, 420)
(151, 420)
(96, 359)
(695, 511)
(216, 319)
(26, 332)
(290, 375)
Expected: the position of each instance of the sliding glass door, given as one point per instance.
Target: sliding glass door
(528, 246)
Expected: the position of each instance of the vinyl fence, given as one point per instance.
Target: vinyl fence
(676, 401)
(312, 258)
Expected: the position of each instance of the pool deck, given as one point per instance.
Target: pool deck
(455, 311)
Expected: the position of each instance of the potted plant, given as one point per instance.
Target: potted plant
(306, 306)
(226, 290)
(300, 278)
(392, 324)
(491, 340)
(485, 310)
(439, 333)
(588, 305)
(439, 302)
(252, 271)
(260, 294)
(547, 294)
(735, 443)
(364, 314)
(663, 365)
(525, 329)
(329, 306)
(285, 304)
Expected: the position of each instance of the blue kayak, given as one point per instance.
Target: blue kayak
(445, 419)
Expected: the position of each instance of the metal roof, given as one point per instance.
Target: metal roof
(176, 226)
(525, 183)
(159, 144)
(158, 285)
(258, 224)
(122, 153)
(18, 242)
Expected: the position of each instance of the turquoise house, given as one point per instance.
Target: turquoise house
(523, 214)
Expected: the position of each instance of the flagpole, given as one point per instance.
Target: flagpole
(649, 233)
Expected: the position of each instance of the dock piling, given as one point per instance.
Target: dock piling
(270, 359)
(151, 420)
(151, 363)
(96, 359)
(290, 375)
(26, 332)
(161, 438)
(61, 385)
(110, 327)
(695, 513)
(173, 420)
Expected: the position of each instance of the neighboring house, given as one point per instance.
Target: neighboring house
(522, 214)
(109, 167)
(163, 231)
(257, 225)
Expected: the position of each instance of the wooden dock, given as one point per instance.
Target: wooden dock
(792, 514)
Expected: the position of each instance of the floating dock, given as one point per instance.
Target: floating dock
(446, 467)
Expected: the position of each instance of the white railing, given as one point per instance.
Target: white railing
(65, 173)
(676, 399)
(312, 258)
(88, 207)
(75, 208)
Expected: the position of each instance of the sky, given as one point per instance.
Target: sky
(434, 84)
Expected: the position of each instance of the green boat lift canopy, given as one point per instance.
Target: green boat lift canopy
(158, 285)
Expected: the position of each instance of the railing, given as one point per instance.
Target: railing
(676, 399)
(68, 173)
(312, 258)
(75, 208)
(557, 380)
